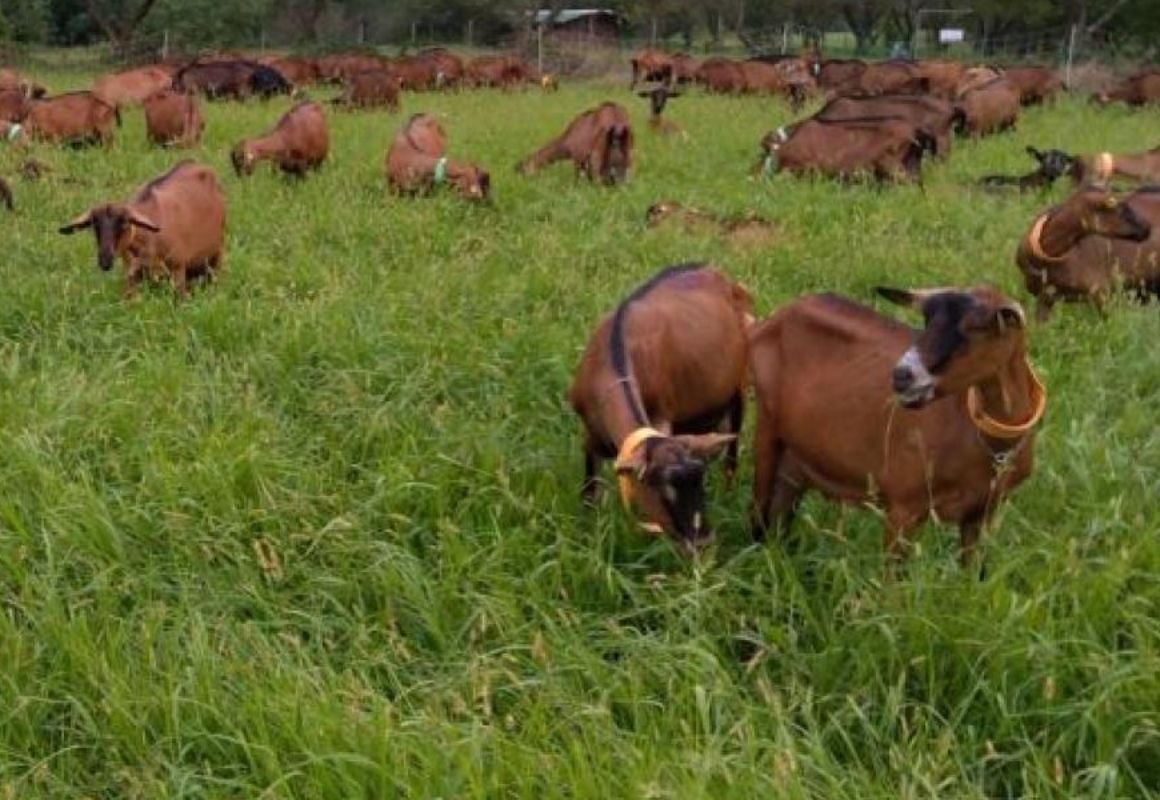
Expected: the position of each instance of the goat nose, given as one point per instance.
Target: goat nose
(902, 378)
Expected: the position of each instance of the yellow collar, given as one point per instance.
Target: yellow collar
(627, 448)
(1033, 243)
(1105, 165)
(1003, 430)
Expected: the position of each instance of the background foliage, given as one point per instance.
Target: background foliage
(692, 23)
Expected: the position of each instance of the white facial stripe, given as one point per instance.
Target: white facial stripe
(913, 362)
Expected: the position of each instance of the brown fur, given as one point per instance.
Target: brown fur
(505, 72)
(684, 68)
(1140, 89)
(890, 77)
(1137, 167)
(1105, 242)
(989, 107)
(133, 86)
(297, 70)
(942, 77)
(931, 114)
(886, 149)
(14, 105)
(841, 74)
(449, 68)
(173, 227)
(1035, 84)
(372, 89)
(173, 119)
(651, 65)
(339, 67)
(827, 417)
(721, 76)
(300, 141)
(74, 118)
(682, 336)
(598, 142)
(747, 231)
(412, 162)
(11, 79)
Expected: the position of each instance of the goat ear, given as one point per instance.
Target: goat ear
(1010, 315)
(142, 221)
(900, 297)
(85, 220)
(708, 446)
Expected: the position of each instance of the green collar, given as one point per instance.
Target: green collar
(440, 171)
(14, 131)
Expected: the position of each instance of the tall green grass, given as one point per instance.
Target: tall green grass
(316, 532)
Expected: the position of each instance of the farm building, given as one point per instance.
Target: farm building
(580, 24)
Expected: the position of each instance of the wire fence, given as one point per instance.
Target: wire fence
(1059, 46)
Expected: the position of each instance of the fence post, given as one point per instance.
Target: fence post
(785, 38)
(165, 45)
(414, 32)
(470, 31)
(654, 31)
(540, 49)
(1070, 55)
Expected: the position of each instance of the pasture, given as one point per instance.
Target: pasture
(315, 533)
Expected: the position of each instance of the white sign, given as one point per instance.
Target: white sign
(950, 35)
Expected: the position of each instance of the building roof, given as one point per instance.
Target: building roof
(566, 15)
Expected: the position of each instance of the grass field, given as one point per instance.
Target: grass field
(316, 534)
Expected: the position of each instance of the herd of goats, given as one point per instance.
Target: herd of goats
(661, 387)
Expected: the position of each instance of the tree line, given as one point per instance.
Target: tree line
(1130, 25)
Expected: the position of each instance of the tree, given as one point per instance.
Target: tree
(119, 19)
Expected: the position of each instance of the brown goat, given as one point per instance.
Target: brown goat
(1102, 168)
(741, 231)
(505, 72)
(133, 86)
(14, 105)
(173, 119)
(300, 141)
(371, 89)
(1035, 84)
(933, 115)
(989, 106)
(298, 71)
(942, 77)
(885, 148)
(651, 65)
(76, 118)
(963, 442)
(173, 227)
(11, 79)
(721, 76)
(598, 142)
(1090, 244)
(1140, 89)
(660, 376)
(416, 163)
(658, 98)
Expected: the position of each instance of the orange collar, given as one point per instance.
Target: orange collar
(624, 479)
(1004, 430)
(1033, 237)
(1105, 165)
